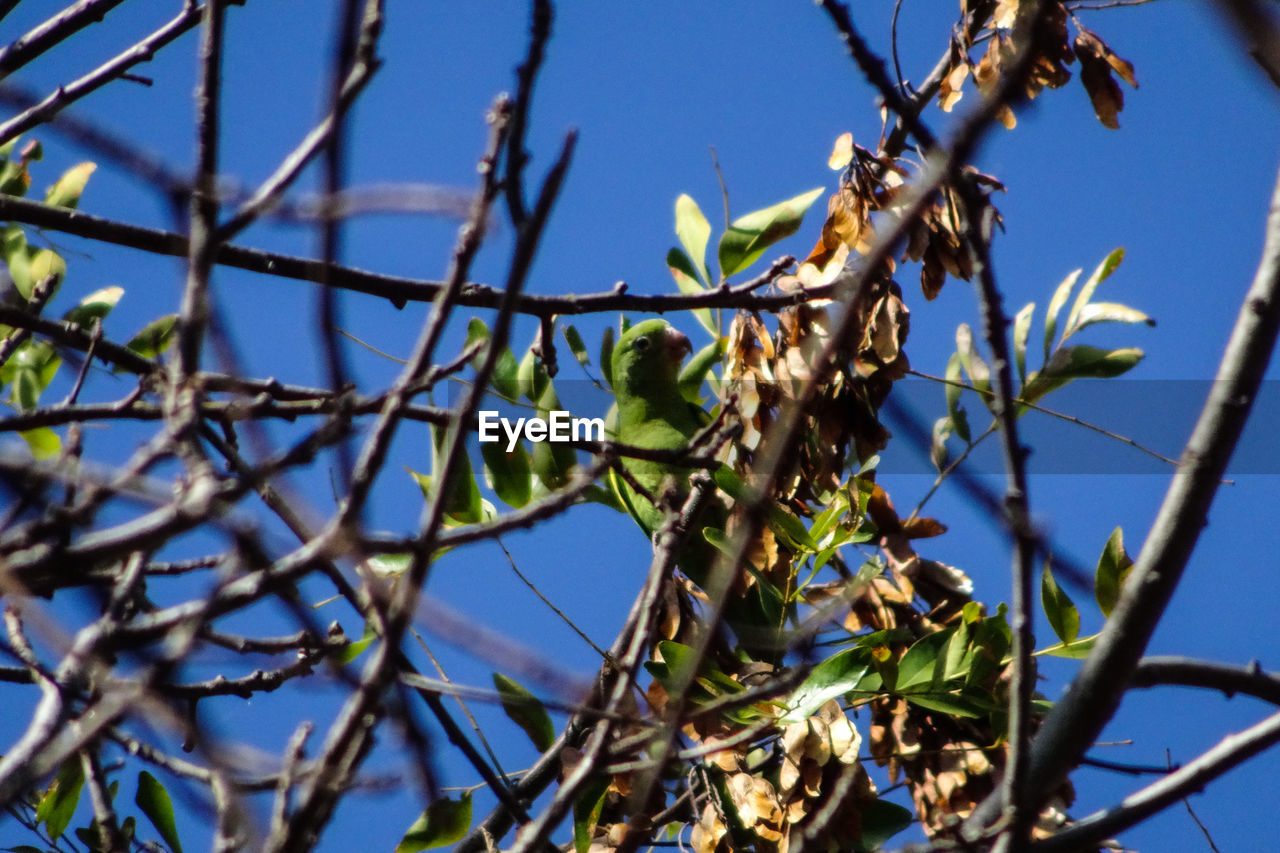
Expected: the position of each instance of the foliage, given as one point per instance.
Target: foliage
(794, 649)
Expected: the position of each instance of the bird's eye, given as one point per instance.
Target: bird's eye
(641, 344)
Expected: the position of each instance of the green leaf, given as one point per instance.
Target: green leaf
(693, 231)
(154, 801)
(952, 389)
(389, 565)
(18, 258)
(26, 389)
(462, 502)
(881, 820)
(586, 812)
(830, 679)
(1108, 265)
(1080, 362)
(510, 475)
(58, 803)
(531, 376)
(444, 822)
(44, 264)
(505, 377)
(695, 372)
(923, 663)
(938, 445)
(155, 337)
(553, 461)
(351, 651)
(1076, 649)
(670, 663)
(526, 711)
(576, 345)
(551, 465)
(1113, 567)
(66, 192)
(974, 366)
(95, 306)
(1055, 307)
(786, 526)
(1106, 312)
(43, 442)
(1022, 331)
(952, 703)
(1061, 612)
(686, 280)
(748, 237)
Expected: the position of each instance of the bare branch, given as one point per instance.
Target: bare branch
(99, 77)
(60, 27)
(1077, 718)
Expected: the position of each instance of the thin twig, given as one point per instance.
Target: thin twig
(143, 51)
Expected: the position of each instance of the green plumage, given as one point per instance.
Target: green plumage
(652, 414)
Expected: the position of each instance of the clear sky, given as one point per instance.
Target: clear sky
(1183, 187)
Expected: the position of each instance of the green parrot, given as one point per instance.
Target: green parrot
(653, 414)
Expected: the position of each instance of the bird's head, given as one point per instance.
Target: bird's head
(648, 357)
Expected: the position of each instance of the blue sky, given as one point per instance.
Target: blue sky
(1183, 187)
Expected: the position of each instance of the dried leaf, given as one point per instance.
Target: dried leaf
(842, 152)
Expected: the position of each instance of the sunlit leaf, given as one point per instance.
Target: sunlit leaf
(923, 663)
(43, 442)
(353, 650)
(693, 231)
(576, 345)
(1076, 649)
(686, 279)
(155, 337)
(389, 565)
(952, 389)
(1080, 362)
(531, 376)
(842, 151)
(1113, 568)
(18, 258)
(938, 445)
(831, 679)
(974, 365)
(66, 192)
(46, 264)
(526, 711)
(444, 822)
(58, 803)
(748, 237)
(1021, 332)
(95, 306)
(154, 801)
(1055, 306)
(1085, 296)
(1106, 312)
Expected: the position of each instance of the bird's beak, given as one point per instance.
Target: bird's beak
(678, 345)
